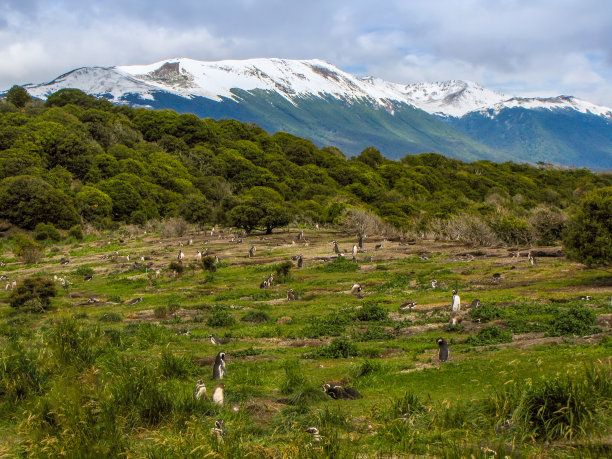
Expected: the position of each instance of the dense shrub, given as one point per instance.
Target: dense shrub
(589, 238)
(490, 335)
(208, 264)
(338, 348)
(46, 231)
(255, 317)
(282, 271)
(577, 321)
(76, 232)
(486, 313)
(26, 249)
(340, 265)
(33, 294)
(74, 345)
(27, 201)
(371, 313)
(220, 317)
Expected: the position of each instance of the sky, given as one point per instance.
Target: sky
(518, 47)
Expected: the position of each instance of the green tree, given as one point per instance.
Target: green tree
(589, 238)
(93, 204)
(27, 201)
(18, 96)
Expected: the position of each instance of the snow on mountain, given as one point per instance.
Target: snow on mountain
(294, 79)
(552, 103)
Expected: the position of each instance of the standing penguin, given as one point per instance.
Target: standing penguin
(361, 241)
(252, 251)
(217, 396)
(181, 255)
(456, 302)
(219, 370)
(443, 351)
(300, 261)
(200, 391)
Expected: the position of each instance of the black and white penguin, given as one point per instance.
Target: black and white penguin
(219, 370)
(443, 350)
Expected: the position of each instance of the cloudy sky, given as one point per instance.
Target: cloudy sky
(519, 47)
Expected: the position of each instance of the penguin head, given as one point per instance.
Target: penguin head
(454, 292)
(222, 355)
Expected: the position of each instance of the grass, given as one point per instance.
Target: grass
(113, 378)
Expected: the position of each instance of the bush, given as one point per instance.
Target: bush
(371, 313)
(338, 348)
(76, 232)
(589, 238)
(219, 317)
(373, 334)
(282, 271)
(340, 265)
(175, 227)
(26, 249)
(490, 335)
(577, 321)
(177, 267)
(332, 325)
(44, 231)
(486, 313)
(27, 201)
(34, 294)
(208, 264)
(84, 271)
(255, 317)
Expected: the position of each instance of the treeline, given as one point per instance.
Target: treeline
(75, 158)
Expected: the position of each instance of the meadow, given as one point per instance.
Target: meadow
(109, 367)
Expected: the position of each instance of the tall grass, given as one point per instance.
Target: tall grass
(564, 407)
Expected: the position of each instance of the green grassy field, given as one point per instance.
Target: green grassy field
(98, 376)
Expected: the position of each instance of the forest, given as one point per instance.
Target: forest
(75, 160)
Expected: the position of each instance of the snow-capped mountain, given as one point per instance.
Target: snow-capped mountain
(315, 99)
(294, 79)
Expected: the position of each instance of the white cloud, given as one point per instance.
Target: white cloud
(547, 47)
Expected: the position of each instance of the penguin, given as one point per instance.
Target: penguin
(354, 250)
(219, 367)
(264, 284)
(291, 296)
(356, 288)
(360, 243)
(252, 251)
(300, 261)
(88, 278)
(337, 392)
(475, 304)
(407, 306)
(218, 431)
(336, 249)
(200, 391)
(301, 236)
(434, 283)
(181, 255)
(214, 340)
(316, 437)
(217, 396)
(443, 350)
(199, 256)
(456, 307)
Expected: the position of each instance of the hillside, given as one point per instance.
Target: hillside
(78, 159)
(316, 100)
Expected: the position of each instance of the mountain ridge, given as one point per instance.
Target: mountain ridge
(314, 99)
